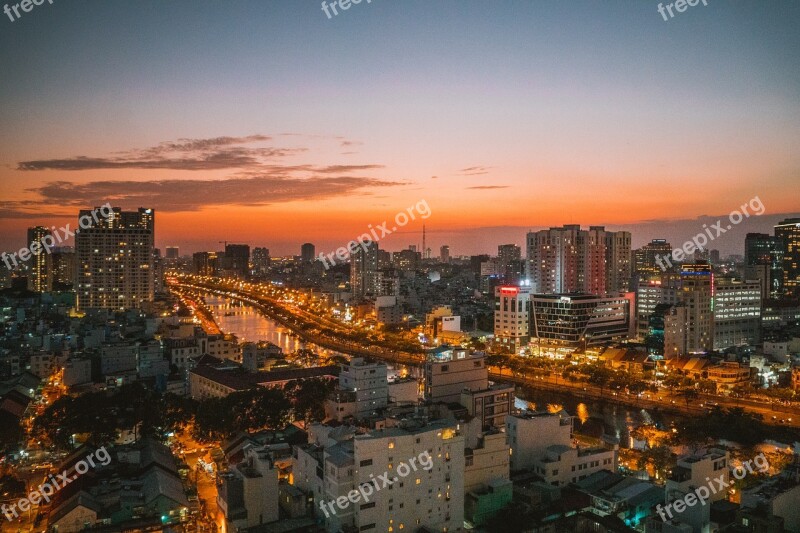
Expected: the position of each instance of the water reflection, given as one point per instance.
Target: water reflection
(597, 418)
(247, 323)
(582, 413)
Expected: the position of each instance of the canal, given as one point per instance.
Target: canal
(248, 324)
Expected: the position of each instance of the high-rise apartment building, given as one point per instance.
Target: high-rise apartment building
(407, 259)
(444, 254)
(676, 339)
(115, 260)
(651, 292)
(618, 261)
(569, 260)
(697, 294)
(737, 313)
(788, 231)
(646, 257)
(204, 263)
(592, 260)
(261, 260)
(237, 258)
(762, 250)
(552, 256)
(63, 259)
(172, 253)
(307, 253)
(509, 262)
(364, 271)
(40, 275)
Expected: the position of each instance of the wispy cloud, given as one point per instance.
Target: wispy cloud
(216, 153)
(172, 194)
(487, 187)
(474, 171)
(257, 179)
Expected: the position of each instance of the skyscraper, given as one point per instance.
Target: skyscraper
(204, 263)
(765, 250)
(737, 313)
(788, 231)
(553, 260)
(307, 253)
(508, 259)
(618, 261)
(647, 256)
(173, 252)
(63, 266)
(444, 254)
(592, 260)
(115, 260)
(237, 258)
(40, 276)
(570, 260)
(697, 294)
(261, 260)
(364, 271)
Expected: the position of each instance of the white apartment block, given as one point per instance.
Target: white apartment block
(690, 473)
(369, 383)
(490, 405)
(248, 495)
(432, 498)
(224, 347)
(420, 498)
(512, 316)
(486, 457)
(449, 373)
(542, 442)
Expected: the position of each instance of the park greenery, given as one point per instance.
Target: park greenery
(99, 417)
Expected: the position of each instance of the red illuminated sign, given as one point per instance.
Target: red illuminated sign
(509, 290)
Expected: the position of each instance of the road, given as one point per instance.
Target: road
(300, 322)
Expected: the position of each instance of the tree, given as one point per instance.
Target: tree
(309, 399)
(707, 386)
(659, 458)
(688, 394)
(600, 376)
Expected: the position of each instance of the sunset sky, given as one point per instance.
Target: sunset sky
(265, 122)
